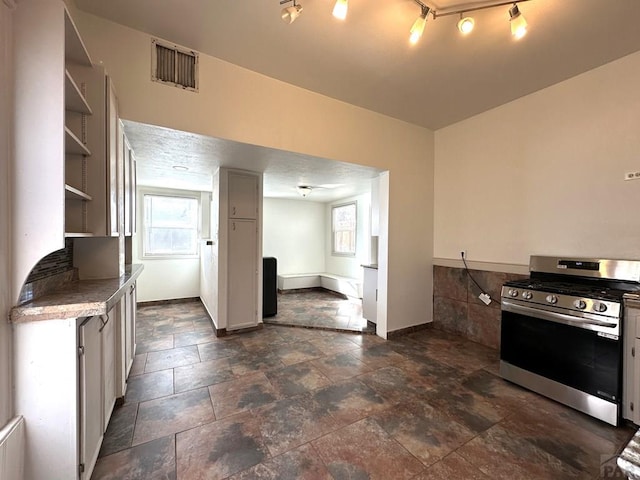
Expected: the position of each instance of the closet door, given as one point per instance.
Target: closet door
(242, 308)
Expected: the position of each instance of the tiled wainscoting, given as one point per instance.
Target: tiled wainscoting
(457, 308)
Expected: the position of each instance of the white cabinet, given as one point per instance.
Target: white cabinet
(109, 356)
(125, 339)
(242, 309)
(375, 207)
(631, 362)
(370, 294)
(129, 165)
(90, 388)
(50, 104)
(243, 195)
(96, 384)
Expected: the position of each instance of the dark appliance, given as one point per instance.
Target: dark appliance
(561, 331)
(269, 287)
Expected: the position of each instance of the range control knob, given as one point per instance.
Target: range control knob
(581, 304)
(552, 299)
(513, 292)
(527, 295)
(599, 307)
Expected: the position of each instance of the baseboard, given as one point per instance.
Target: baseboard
(407, 330)
(153, 303)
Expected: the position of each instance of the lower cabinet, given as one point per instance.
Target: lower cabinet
(97, 350)
(91, 399)
(126, 335)
(370, 294)
(66, 384)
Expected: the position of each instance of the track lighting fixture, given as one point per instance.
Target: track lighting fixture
(418, 26)
(340, 9)
(466, 24)
(289, 14)
(517, 21)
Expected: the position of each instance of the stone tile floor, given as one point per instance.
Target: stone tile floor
(292, 403)
(322, 309)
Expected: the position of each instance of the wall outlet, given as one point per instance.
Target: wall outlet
(485, 298)
(463, 254)
(632, 176)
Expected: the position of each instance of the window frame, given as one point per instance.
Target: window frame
(144, 255)
(335, 253)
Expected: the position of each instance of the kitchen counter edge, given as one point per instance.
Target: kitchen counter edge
(83, 298)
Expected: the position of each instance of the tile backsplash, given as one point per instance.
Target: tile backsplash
(457, 308)
(50, 273)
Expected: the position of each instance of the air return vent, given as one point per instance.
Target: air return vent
(175, 66)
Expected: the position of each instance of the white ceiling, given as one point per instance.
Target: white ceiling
(367, 60)
(159, 149)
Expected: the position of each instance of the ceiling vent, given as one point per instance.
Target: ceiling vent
(173, 65)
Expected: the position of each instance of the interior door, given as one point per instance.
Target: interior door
(242, 307)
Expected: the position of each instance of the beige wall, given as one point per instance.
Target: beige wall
(294, 233)
(237, 104)
(6, 409)
(544, 174)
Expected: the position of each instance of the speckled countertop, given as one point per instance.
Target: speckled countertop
(83, 298)
(632, 300)
(629, 459)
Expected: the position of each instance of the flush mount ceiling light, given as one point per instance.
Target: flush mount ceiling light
(304, 190)
(340, 9)
(289, 14)
(180, 168)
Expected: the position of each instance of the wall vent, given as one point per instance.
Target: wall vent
(173, 65)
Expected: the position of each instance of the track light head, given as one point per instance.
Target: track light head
(466, 24)
(340, 9)
(517, 21)
(417, 29)
(289, 14)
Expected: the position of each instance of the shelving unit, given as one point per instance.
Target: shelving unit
(77, 108)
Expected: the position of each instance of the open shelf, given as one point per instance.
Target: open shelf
(74, 49)
(73, 98)
(78, 234)
(75, 194)
(73, 145)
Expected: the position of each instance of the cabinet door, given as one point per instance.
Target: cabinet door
(108, 364)
(370, 294)
(91, 406)
(126, 151)
(114, 159)
(130, 327)
(243, 195)
(242, 308)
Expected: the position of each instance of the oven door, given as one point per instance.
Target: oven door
(580, 358)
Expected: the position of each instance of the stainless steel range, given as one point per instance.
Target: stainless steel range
(561, 331)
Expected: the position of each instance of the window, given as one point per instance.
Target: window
(170, 226)
(343, 227)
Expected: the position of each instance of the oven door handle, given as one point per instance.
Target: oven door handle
(554, 316)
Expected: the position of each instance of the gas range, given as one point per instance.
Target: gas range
(561, 331)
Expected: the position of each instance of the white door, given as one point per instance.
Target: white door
(242, 307)
(90, 392)
(243, 196)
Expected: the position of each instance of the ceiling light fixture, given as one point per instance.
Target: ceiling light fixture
(304, 190)
(180, 168)
(289, 14)
(466, 24)
(340, 9)
(417, 29)
(517, 21)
